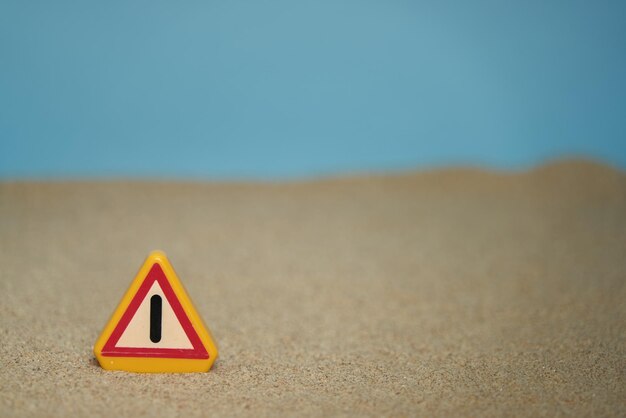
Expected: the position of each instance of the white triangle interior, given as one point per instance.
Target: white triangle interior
(137, 333)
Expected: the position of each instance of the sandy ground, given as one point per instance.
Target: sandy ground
(445, 293)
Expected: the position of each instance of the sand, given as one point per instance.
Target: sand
(442, 293)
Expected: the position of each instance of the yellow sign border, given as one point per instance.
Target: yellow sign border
(152, 364)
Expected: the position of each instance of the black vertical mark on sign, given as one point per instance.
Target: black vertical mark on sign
(155, 318)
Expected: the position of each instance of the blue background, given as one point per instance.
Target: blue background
(277, 89)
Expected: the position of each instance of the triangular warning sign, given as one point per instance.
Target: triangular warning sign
(155, 328)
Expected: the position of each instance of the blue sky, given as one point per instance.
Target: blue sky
(283, 89)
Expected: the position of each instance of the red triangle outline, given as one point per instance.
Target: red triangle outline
(155, 274)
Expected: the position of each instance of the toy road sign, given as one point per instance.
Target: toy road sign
(155, 328)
